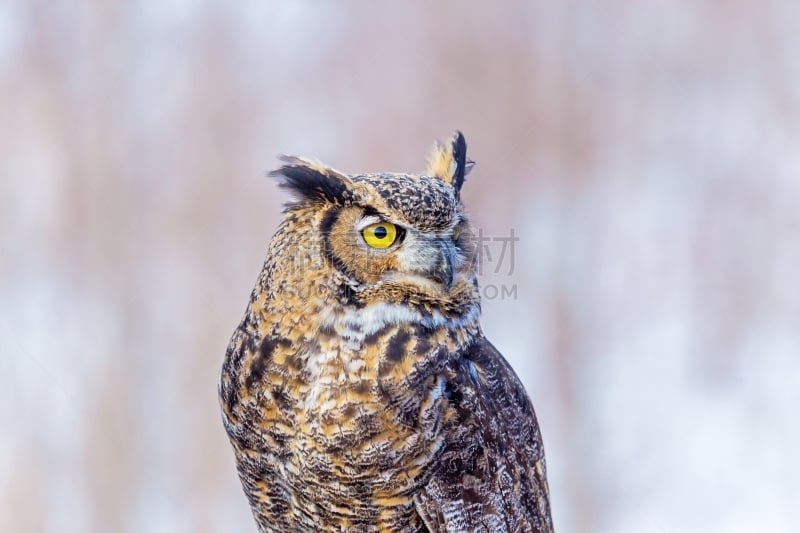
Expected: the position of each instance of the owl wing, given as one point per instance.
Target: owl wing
(491, 476)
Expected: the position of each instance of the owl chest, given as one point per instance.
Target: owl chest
(357, 419)
(361, 443)
(342, 441)
(349, 396)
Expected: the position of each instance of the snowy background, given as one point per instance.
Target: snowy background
(645, 153)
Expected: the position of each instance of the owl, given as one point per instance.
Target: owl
(359, 392)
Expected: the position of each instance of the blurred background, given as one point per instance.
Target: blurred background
(644, 154)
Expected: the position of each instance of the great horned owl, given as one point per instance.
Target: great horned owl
(359, 392)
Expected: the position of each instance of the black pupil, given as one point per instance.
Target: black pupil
(380, 232)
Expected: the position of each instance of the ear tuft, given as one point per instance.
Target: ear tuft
(312, 181)
(449, 163)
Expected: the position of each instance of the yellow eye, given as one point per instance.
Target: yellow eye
(456, 232)
(380, 235)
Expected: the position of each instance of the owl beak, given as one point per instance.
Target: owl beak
(443, 267)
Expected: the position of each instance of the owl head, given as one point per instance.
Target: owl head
(390, 237)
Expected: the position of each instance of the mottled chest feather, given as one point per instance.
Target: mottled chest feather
(349, 419)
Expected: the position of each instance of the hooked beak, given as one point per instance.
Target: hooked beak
(442, 270)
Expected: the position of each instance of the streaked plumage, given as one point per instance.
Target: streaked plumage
(359, 392)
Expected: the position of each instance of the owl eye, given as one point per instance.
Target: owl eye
(380, 235)
(456, 232)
